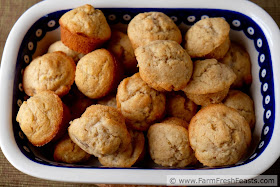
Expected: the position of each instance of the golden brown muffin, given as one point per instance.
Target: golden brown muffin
(43, 118)
(120, 46)
(210, 82)
(140, 104)
(219, 135)
(208, 38)
(97, 74)
(108, 100)
(164, 65)
(127, 157)
(243, 104)
(151, 26)
(67, 151)
(52, 71)
(178, 105)
(210, 98)
(59, 46)
(100, 130)
(239, 60)
(169, 143)
(84, 29)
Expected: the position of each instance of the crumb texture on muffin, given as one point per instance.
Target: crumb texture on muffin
(164, 65)
(169, 143)
(100, 130)
(40, 117)
(68, 152)
(86, 20)
(205, 36)
(210, 82)
(239, 60)
(209, 76)
(178, 105)
(52, 71)
(84, 29)
(151, 26)
(127, 157)
(219, 135)
(243, 104)
(140, 104)
(96, 73)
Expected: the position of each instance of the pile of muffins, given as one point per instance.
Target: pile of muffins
(102, 93)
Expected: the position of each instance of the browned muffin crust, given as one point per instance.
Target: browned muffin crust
(84, 29)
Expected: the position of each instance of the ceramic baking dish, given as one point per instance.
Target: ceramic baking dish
(38, 27)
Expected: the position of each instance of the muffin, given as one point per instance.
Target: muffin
(129, 156)
(97, 74)
(43, 118)
(52, 71)
(151, 26)
(178, 105)
(164, 65)
(208, 38)
(169, 143)
(68, 152)
(108, 100)
(239, 60)
(59, 46)
(243, 104)
(140, 104)
(84, 29)
(100, 130)
(210, 82)
(120, 46)
(219, 135)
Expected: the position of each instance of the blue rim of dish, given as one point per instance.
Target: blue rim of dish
(188, 16)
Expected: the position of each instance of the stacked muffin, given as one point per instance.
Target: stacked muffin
(147, 88)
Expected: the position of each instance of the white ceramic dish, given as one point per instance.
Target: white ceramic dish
(34, 31)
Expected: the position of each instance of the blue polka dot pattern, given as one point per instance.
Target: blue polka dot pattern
(188, 16)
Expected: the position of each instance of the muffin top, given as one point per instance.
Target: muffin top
(220, 51)
(86, 20)
(206, 35)
(40, 117)
(67, 151)
(243, 104)
(164, 65)
(209, 76)
(178, 105)
(96, 73)
(100, 130)
(52, 71)
(59, 46)
(169, 143)
(140, 104)
(210, 98)
(127, 157)
(219, 135)
(121, 48)
(239, 60)
(150, 26)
